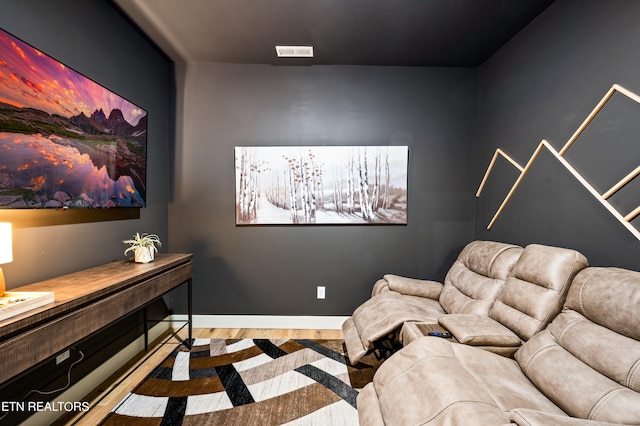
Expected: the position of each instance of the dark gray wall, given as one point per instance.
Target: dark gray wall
(542, 85)
(92, 38)
(275, 269)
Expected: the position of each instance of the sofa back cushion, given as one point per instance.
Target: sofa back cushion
(588, 359)
(536, 289)
(477, 276)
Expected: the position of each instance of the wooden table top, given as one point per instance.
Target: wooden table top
(83, 287)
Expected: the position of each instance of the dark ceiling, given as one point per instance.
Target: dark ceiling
(354, 32)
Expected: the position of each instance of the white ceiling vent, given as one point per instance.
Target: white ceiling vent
(294, 51)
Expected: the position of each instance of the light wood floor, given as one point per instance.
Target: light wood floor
(109, 393)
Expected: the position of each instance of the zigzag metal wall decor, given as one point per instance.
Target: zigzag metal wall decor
(603, 198)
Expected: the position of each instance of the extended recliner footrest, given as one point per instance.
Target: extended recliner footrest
(352, 342)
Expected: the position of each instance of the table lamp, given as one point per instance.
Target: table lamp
(6, 253)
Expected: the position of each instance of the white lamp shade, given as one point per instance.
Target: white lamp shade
(6, 252)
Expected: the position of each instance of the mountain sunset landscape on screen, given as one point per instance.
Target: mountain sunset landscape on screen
(65, 140)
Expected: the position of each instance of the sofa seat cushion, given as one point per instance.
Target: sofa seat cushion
(478, 330)
(433, 381)
(388, 310)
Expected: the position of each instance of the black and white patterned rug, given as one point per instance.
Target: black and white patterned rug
(247, 382)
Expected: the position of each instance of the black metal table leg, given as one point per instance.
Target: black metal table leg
(145, 321)
(190, 312)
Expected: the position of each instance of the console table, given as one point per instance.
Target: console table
(86, 302)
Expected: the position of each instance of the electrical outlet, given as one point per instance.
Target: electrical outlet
(320, 292)
(63, 357)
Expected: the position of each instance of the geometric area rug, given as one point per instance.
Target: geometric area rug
(291, 382)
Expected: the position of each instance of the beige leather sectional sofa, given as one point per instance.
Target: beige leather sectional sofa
(557, 344)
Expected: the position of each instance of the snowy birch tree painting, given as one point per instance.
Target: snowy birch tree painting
(321, 185)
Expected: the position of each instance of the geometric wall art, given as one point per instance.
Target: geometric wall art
(306, 185)
(625, 176)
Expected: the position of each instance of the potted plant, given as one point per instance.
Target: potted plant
(143, 247)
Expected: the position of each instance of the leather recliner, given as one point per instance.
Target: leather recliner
(532, 295)
(583, 369)
(471, 286)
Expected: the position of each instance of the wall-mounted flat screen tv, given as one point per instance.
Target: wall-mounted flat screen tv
(65, 140)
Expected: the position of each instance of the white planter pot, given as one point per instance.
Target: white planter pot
(144, 254)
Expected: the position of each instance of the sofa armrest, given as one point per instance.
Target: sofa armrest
(380, 287)
(414, 287)
(368, 407)
(477, 330)
(528, 417)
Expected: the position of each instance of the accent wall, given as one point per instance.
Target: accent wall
(274, 270)
(542, 85)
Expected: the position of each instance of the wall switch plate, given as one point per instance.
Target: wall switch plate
(320, 292)
(63, 357)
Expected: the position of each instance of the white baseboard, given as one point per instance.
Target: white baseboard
(263, 321)
(92, 380)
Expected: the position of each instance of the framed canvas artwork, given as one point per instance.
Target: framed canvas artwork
(303, 185)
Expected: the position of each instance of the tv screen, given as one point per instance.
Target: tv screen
(65, 140)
